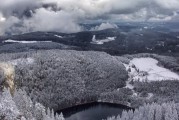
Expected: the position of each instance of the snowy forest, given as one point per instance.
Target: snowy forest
(20, 107)
(89, 59)
(165, 111)
(42, 82)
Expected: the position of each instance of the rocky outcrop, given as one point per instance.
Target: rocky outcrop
(7, 75)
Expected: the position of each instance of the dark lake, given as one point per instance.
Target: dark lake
(93, 111)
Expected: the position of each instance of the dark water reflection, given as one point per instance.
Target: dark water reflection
(93, 111)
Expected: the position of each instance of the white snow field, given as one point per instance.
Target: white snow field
(147, 69)
(102, 41)
(15, 41)
(58, 36)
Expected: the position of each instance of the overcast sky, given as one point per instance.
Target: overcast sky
(18, 16)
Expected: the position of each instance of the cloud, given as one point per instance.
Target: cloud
(104, 26)
(65, 15)
(18, 7)
(48, 20)
(2, 18)
(7, 25)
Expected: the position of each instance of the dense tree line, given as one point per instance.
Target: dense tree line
(165, 111)
(28, 47)
(163, 91)
(121, 96)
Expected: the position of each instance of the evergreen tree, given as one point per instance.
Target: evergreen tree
(158, 112)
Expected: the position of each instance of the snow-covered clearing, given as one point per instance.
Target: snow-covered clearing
(58, 36)
(16, 41)
(149, 48)
(102, 41)
(145, 27)
(147, 69)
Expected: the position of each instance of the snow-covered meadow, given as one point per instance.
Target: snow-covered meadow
(16, 41)
(102, 41)
(147, 69)
(58, 36)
